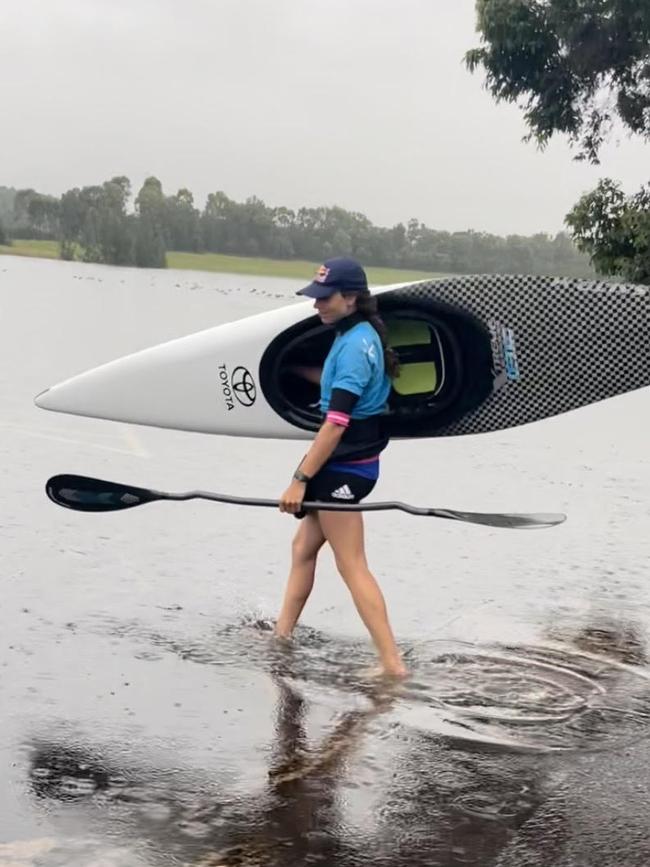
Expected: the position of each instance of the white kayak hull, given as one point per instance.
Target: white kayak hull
(478, 353)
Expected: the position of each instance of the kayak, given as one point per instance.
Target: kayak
(477, 354)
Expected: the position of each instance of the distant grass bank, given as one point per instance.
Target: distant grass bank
(298, 269)
(37, 249)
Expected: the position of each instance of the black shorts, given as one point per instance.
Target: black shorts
(334, 486)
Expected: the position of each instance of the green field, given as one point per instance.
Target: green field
(38, 249)
(301, 270)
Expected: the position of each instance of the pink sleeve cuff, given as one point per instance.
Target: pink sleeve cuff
(340, 418)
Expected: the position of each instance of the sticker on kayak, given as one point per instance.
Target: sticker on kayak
(510, 353)
(238, 385)
(504, 353)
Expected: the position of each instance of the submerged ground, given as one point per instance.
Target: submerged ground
(148, 716)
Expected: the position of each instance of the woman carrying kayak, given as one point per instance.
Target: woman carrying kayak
(342, 464)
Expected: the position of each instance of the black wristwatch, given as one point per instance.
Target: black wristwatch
(299, 476)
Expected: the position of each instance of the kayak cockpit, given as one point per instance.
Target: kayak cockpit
(436, 379)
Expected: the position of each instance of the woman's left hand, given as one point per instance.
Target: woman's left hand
(291, 500)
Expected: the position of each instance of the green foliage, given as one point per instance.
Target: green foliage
(149, 245)
(182, 220)
(560, 58)
(7, 196)
(614, 230)
(151, 236)
(94, 224)
(35, 215)
(4, 237)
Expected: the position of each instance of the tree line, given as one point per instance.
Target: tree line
(100, 224)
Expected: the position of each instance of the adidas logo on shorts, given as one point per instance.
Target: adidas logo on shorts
(343, 493)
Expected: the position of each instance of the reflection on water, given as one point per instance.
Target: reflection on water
(517, 697)
(453, 783)
(617, 641)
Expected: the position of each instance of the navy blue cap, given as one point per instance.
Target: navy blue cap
(337, 275)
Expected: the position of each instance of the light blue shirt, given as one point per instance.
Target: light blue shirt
(355, 363)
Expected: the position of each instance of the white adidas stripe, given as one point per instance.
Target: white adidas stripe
(343, 493)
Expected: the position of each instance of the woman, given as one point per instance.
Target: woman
(342, 464)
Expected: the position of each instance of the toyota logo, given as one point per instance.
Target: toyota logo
(243, 385)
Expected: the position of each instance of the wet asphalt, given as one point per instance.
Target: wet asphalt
(147, 715)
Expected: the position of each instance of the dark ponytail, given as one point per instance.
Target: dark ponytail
(367, 307)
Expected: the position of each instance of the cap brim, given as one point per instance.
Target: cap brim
(317, 290)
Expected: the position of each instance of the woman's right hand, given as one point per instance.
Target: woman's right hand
(291, 500)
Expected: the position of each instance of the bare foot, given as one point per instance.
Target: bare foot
(399, 670)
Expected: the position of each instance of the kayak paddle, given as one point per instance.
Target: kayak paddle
(86, 494)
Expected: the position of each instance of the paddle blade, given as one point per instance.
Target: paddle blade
(532, 521)
(95, 495)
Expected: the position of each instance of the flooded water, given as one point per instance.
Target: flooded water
(149, 718)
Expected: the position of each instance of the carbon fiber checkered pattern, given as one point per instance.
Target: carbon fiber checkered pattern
(575, 343)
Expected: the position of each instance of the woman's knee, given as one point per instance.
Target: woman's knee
(351, 567)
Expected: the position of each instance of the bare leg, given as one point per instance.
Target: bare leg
(344, 532)
(304, 551)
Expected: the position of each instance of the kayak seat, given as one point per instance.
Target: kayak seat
(417, 350)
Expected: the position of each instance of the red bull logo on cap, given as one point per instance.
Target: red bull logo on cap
(322, 274)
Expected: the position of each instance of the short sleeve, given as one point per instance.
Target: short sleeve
(355, 364)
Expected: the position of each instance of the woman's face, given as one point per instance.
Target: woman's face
(336, 307)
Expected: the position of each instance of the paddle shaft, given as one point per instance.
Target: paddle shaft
(308, 504)
(500, 519)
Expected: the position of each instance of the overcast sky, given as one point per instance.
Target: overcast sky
(361, 103)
